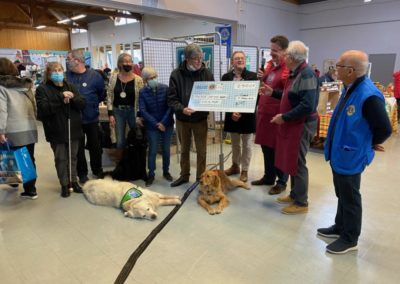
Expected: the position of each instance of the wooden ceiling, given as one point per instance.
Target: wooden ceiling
(33, 13)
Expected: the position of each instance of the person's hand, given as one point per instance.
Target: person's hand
(260, 73)
(140, 121)
(3, 138)
(188, 111)
(236, 116)
(277, 119)
(160, 127)
(378, 147)
(67, 96)
(265, 90)
(111, 119)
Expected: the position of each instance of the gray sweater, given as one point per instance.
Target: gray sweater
(17, 111)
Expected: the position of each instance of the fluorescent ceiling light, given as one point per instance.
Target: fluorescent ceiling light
(366, 1)
(63, 21)
(40, 27)
(78, 17)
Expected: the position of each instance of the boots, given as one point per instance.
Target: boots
(233, 170)
(77, 188)
(65, 191)
(243, 176)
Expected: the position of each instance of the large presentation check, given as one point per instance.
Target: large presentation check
(224, 96)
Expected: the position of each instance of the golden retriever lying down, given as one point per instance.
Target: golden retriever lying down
(213, 186)
(136, 202)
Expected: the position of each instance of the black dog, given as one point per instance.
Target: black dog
(132, 165)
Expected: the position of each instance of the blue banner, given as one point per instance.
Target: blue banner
(226, 38)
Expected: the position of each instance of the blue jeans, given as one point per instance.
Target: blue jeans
(123, 114)
(154, 137)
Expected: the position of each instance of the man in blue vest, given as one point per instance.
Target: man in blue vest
(358, 127)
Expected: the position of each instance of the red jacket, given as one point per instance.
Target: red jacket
(396, 83)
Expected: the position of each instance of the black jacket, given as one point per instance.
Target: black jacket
(247, 122)
(53, 112)
(180, 88)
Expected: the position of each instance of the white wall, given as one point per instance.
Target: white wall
(266, 18)
(332, 27)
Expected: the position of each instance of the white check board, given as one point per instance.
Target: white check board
(224, 96)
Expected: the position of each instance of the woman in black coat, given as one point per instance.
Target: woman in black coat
(240, 125)
(56, 102)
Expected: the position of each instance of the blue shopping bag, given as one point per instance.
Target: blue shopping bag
(16, 166)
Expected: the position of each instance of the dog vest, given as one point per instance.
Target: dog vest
(131, 194)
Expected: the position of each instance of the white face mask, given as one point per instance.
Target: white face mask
(191, 68)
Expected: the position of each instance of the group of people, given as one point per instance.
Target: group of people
(284, 123)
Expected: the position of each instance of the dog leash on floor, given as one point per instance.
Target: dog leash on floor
(126, 270)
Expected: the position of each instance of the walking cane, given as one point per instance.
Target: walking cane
(71, 189)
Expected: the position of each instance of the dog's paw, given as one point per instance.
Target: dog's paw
(211, 211)
(126, 214)
(218, 211)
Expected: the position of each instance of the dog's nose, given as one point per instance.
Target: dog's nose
(154, 216)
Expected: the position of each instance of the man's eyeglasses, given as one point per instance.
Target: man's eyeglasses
(344, 66)
(196, 58)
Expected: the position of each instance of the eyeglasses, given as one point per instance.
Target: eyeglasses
(344, 66)
(196, 58)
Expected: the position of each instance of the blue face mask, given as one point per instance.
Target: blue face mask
(152, 83)
(57, 77)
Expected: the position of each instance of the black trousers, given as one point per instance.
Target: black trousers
(270, 171)
(91, 131)
(349, 209)
(29, 187)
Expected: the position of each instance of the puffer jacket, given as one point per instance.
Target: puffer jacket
(17, 110)
(180, 87)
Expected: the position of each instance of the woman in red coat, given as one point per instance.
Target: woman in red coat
(396, 81)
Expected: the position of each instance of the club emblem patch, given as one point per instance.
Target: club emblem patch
(351, 109)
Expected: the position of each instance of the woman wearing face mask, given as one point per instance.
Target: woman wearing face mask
(56, 102)
(158, 121)
(122, 98)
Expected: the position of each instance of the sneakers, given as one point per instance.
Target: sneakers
(341, 247)
(277, 189)
(179, 181)
(233, 170)
(285, 199)
(168, 176)
(331, 232)
(149, 181)
(29, 195)
(294, 209)
(243, 176)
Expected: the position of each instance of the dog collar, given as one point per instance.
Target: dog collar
(132, 193)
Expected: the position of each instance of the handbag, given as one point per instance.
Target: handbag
(16, 166)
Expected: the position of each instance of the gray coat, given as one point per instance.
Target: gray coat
(17, 110)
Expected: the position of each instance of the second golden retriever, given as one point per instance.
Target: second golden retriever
(213, 186)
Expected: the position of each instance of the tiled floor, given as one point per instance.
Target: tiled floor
(57, 240)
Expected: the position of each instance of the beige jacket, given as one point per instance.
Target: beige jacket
(110, 91)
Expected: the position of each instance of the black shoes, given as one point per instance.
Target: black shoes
(331, 232)
(149, 181)
(65, 191)
(29, 195)
(83, 179)
(76, 187)
(341, 247)
(179, 181)
(168, 177)
(261, 181)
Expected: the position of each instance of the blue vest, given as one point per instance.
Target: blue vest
(349, 148)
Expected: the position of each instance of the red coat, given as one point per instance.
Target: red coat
(268, 107)
(396, 83)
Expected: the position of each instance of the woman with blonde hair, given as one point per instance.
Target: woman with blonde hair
(17, 115)
(58, 102)
(123, 98)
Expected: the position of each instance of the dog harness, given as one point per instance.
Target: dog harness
(132, 193)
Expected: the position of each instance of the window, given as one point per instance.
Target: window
(78, 31)
(124, 21)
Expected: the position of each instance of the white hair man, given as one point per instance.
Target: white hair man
(358, 127)
(298, 122)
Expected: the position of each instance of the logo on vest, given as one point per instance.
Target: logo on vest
(351, 109)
